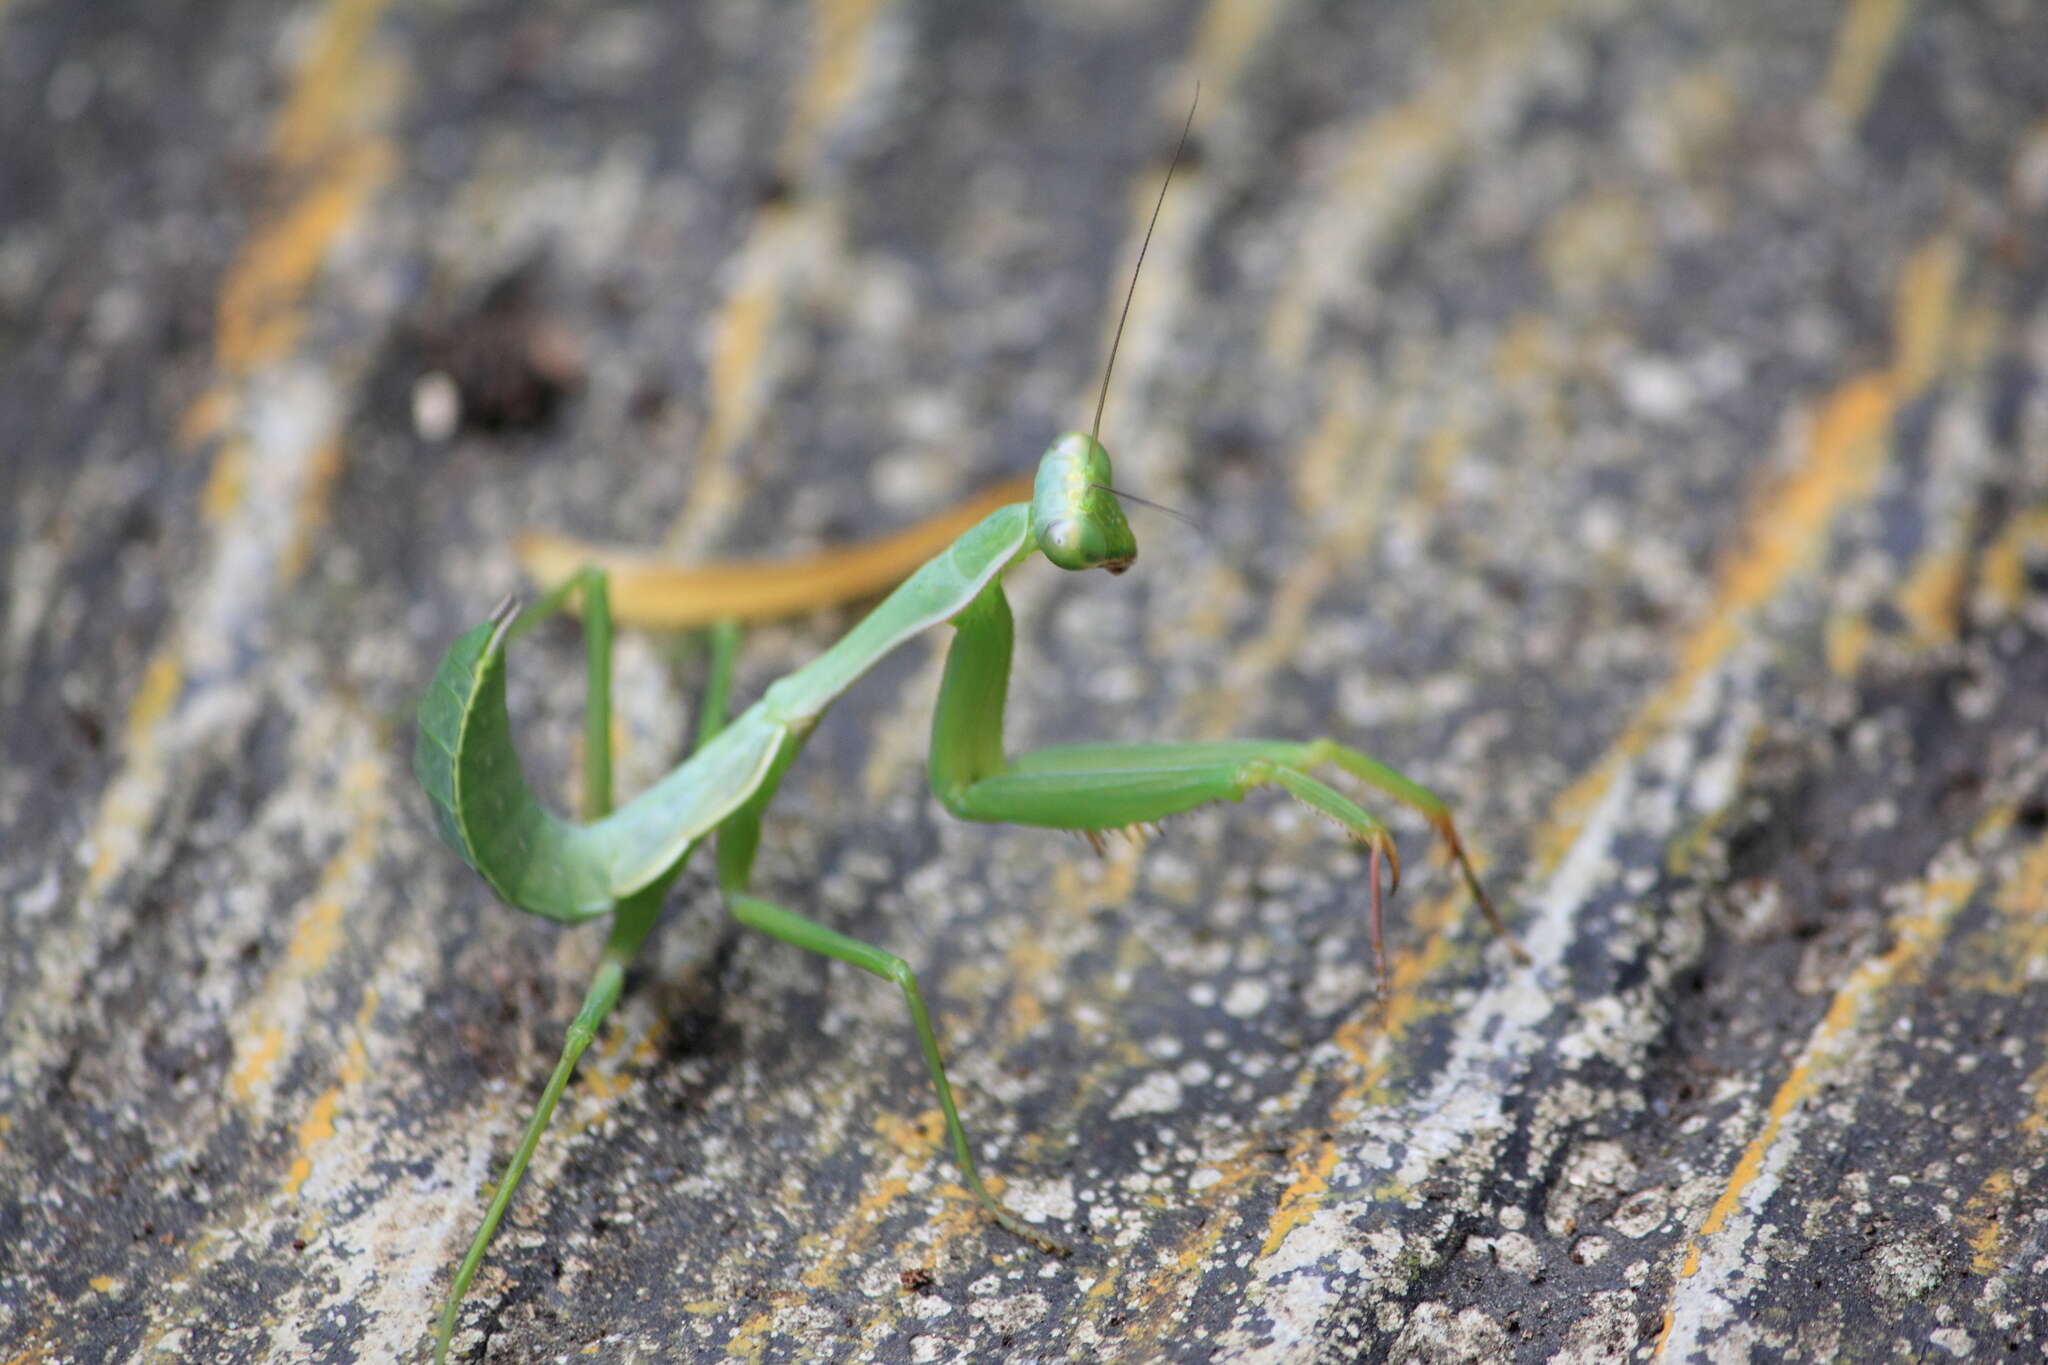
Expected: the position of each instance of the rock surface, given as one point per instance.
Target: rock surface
(1627, 419)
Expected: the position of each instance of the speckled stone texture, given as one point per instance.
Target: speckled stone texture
(1628, 419)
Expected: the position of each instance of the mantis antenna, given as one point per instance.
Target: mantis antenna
(1109, 366)
(1174, 512)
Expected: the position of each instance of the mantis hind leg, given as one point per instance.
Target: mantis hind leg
(795, 929)
(738, 838)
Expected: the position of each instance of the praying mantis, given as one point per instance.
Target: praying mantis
(621, 862)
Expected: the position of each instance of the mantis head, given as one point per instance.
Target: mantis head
(1074, 513)
(1074, 516)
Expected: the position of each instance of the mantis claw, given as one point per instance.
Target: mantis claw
(1379, 848)
(1015, 1226)
(1449, 834)
(1058, 1250)
(1384, 842)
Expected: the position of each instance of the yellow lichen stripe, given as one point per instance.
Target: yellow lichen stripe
(1226, 37)
(1983, 1219)
(316, 496)
(916, 1141)
(1311, 1181)
(1845, 640)
(256, 311)
(1154, 1303)
(1373, 1038)
(323, 151)
(1847, 445)
(280, 1013)
(1835, 1045)
(125, 808)
(1394, 160)
(739, 340)
(35, 1354)
(1931, 598)
(842, 32)
(1924, 312)
(1989, 1220)
(2035, 1122)
(257, 1053)
(325, 90)
(271, 1017)
(1869, 32)
(2003, 577)
(2003, 958)
(648, 590)
(857, 1230)
(262, 302)
(315, 1128)
(784, 238)
(1915, 932)
(751, 1340)
(1786, 530)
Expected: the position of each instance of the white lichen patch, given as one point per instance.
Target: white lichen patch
(1336, 985)
(1955, 1341)
(1606, 1331)
(1905, 1270)
(1594, 1172)
(1246, 998)
(1158, 1093)
(1642, 1212)
(1009, 1313)
(1434, 1332)
(1517, 1252)
(1038, 1201)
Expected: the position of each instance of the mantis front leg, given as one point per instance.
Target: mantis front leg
(632, 918)
(1090, 788)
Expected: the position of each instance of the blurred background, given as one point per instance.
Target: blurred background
(1625, 418)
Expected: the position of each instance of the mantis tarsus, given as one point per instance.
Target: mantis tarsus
(622, 862)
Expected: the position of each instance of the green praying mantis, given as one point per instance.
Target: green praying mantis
(621, 862)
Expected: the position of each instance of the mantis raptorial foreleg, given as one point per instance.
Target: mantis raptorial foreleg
(635, 915)
(1094, 787)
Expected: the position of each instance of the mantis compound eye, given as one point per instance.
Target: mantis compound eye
(1065, 543)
